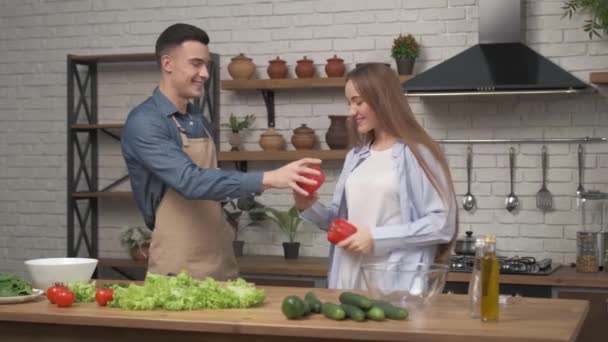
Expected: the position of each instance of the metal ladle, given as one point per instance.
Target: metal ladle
(512, 201)
(468, 201)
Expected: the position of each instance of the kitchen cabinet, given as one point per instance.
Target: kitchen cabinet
(447, 320)
(594, 327)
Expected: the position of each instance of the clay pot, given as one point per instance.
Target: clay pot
(235, 141)
(305, 68)
(277, 68)
(337, 134)
(303, 138)
(335, 67)
(271, 140)
(140, 253)
(241, 67)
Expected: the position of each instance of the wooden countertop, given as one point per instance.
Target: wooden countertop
(317, 267)
(527, 319)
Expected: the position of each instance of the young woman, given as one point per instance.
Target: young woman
(395, 186)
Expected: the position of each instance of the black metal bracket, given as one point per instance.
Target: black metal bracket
(268, 95)
(110, 134)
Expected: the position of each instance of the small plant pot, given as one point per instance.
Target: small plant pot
(405, 66)
(291, 250)
(235, 141)
(140, 253)
(237, 246)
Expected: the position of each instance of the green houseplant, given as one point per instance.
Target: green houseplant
(289, 222)
(137, 240)
(237, 125)
(599, 15)
(405, 50)
(234, 211)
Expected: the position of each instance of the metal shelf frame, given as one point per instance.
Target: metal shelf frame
(83, 143)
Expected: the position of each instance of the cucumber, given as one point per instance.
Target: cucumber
(333, 311)
(293, 307)
(375, 314)
(357, 300)
(353, 312)
(313, 302)
(391, 311)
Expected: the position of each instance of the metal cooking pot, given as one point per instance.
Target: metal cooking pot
(466, 245)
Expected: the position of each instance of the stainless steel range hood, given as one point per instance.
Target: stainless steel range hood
(499, 65)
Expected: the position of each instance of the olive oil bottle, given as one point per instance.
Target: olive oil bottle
(490, 270)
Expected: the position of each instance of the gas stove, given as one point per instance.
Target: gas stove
(514, 265)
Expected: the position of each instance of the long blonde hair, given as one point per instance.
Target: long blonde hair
(380, 88)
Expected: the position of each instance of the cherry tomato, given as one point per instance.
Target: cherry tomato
(339, 230)
(64, 298)
(103, 296)
(311, 188)
(52, 291)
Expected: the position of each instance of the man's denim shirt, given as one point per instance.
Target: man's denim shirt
(152, 148)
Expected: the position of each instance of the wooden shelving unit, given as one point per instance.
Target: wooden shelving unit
(595, 77)
(282, 155)
(298, 83)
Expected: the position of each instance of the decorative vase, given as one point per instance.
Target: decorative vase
(271, 140)
(291, 250)
(305, 68)
(237, 246)
(337, 134)
(303, 138)
(335, 67)
(140, 253)
(235, 141)
(277, 68)
(405, 66)
(241, 67)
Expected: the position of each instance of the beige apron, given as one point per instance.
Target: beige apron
(193, 235)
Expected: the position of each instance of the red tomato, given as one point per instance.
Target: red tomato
(64, 298)
(103, 296)
(52, 291)
(311, 188)
(339, 230)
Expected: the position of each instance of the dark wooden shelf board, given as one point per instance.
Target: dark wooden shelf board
(115, 58)
(298, 83)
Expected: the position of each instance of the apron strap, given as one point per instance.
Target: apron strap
(182, 132)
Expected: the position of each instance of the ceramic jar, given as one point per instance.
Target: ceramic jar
(277, 68)
(271, 140)
(303, 138)
(305, 68)
(337, 134)
(241, 67)
(335, 67)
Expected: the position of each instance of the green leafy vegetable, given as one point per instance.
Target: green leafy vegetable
(11, 286)
(185, 293)
(83, 292)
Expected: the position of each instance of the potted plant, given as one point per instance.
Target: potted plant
(236, 125)
(289, 222)
(404, 51)
(137, 241)
(599, 15)
(234, 212)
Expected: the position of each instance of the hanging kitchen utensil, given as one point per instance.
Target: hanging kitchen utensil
(468, 201)
(512, 201)
(580, 188)
(544, 199)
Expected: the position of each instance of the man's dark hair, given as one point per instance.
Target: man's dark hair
(175, 35)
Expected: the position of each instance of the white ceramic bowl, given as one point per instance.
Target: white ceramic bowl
(46, 272)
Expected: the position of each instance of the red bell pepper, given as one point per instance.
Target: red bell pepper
(311, 188)
(339, 230)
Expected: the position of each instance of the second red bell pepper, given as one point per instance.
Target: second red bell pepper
(339, 230)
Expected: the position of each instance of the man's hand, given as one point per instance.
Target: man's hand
(360, 243)
(288, 175)
(305, 202)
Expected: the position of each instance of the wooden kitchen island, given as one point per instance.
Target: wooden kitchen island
(525, 319)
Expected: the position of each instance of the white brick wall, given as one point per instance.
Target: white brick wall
(36, 36)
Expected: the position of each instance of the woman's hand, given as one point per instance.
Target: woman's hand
(305, 202)
(360, 243)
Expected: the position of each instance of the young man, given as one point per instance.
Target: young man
(172, 164)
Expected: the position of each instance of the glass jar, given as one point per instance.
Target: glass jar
(586, 252)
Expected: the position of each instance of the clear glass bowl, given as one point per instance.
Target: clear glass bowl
(411, 286)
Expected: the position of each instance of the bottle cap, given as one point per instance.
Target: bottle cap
(491, 238)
